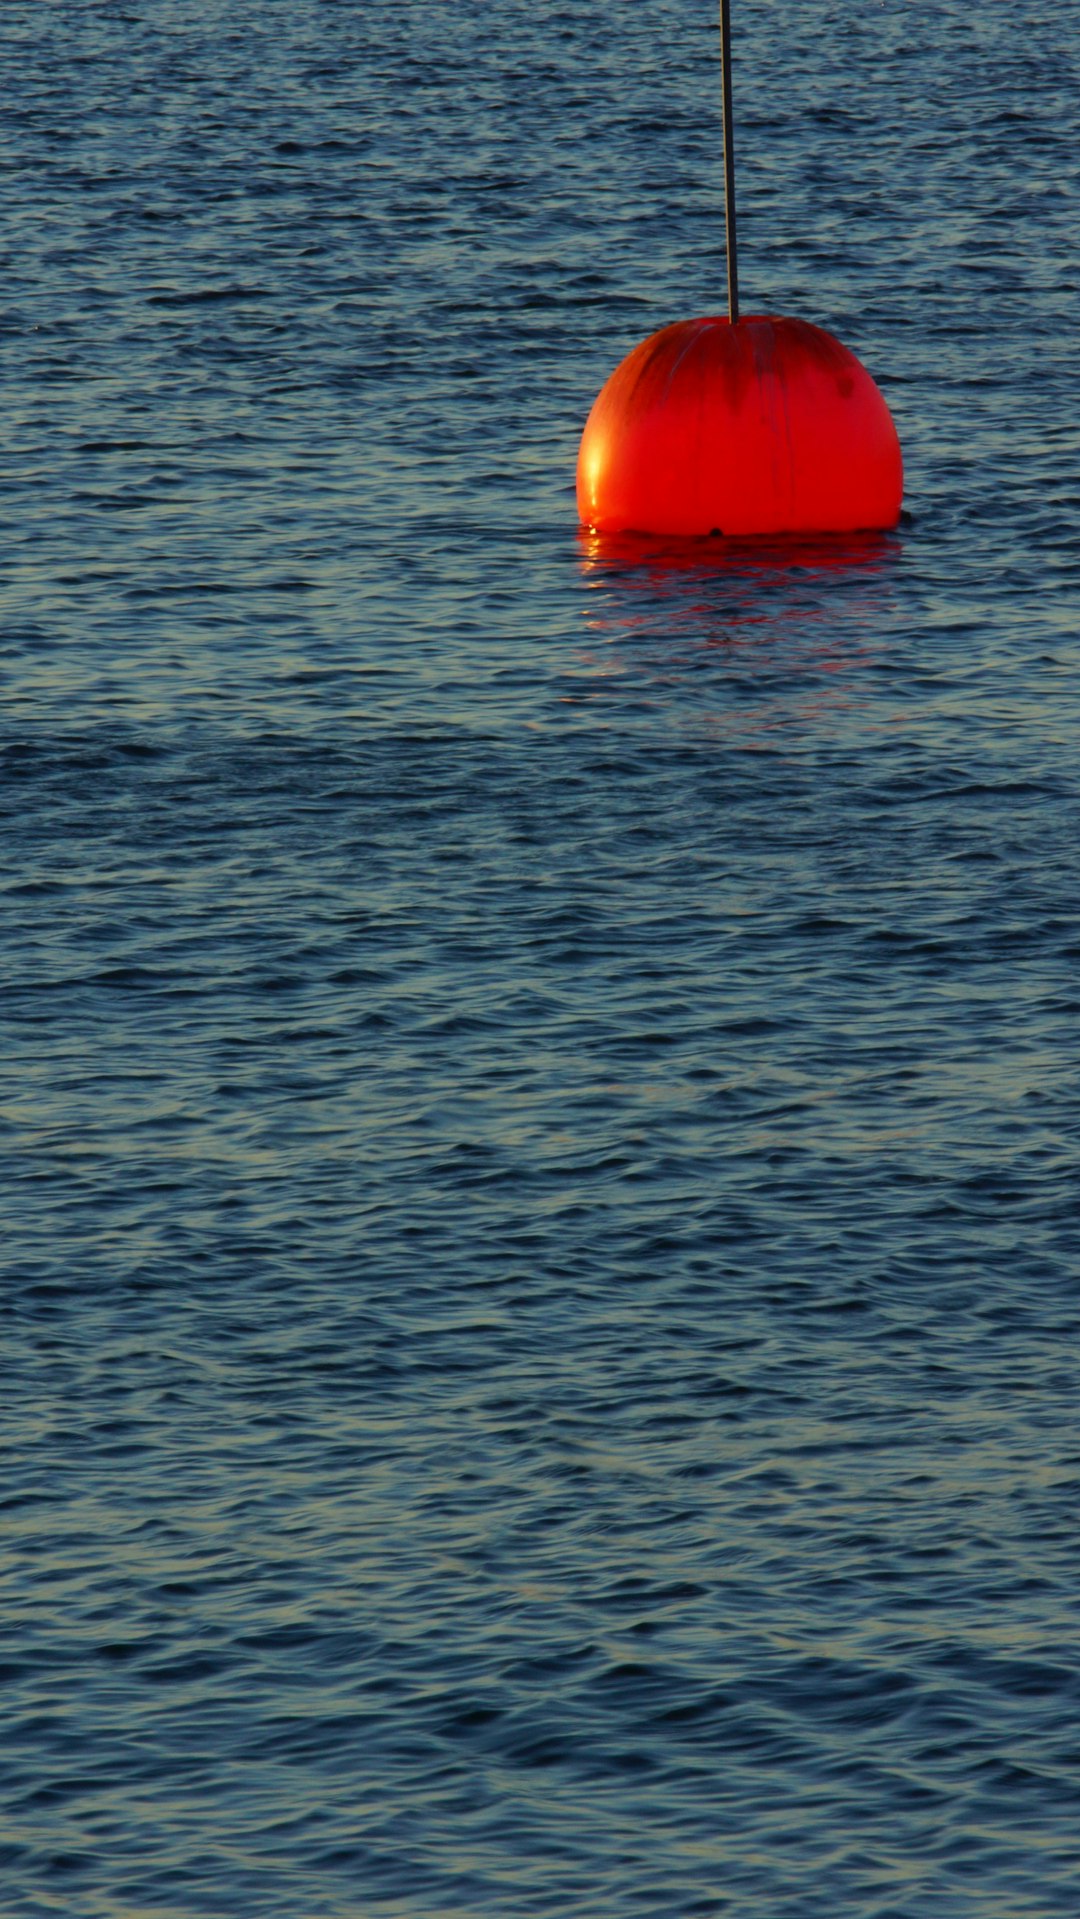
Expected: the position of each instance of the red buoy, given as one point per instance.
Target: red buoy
(765, 426)
(739, 426)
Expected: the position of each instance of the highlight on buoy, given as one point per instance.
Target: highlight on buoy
(739, 426)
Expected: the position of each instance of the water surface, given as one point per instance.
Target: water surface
(541, 1111)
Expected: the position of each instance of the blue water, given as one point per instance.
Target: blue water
(542, 1082)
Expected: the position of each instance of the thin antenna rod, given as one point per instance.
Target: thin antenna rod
(729, 164)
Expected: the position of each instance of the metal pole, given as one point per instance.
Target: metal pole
(729, 163)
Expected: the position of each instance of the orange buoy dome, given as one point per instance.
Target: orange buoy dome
(767, 426)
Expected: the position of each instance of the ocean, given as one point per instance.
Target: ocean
(541, 1250)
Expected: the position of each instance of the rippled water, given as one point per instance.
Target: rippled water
(542, 1096)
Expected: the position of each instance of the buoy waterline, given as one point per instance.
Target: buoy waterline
(740, 425)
